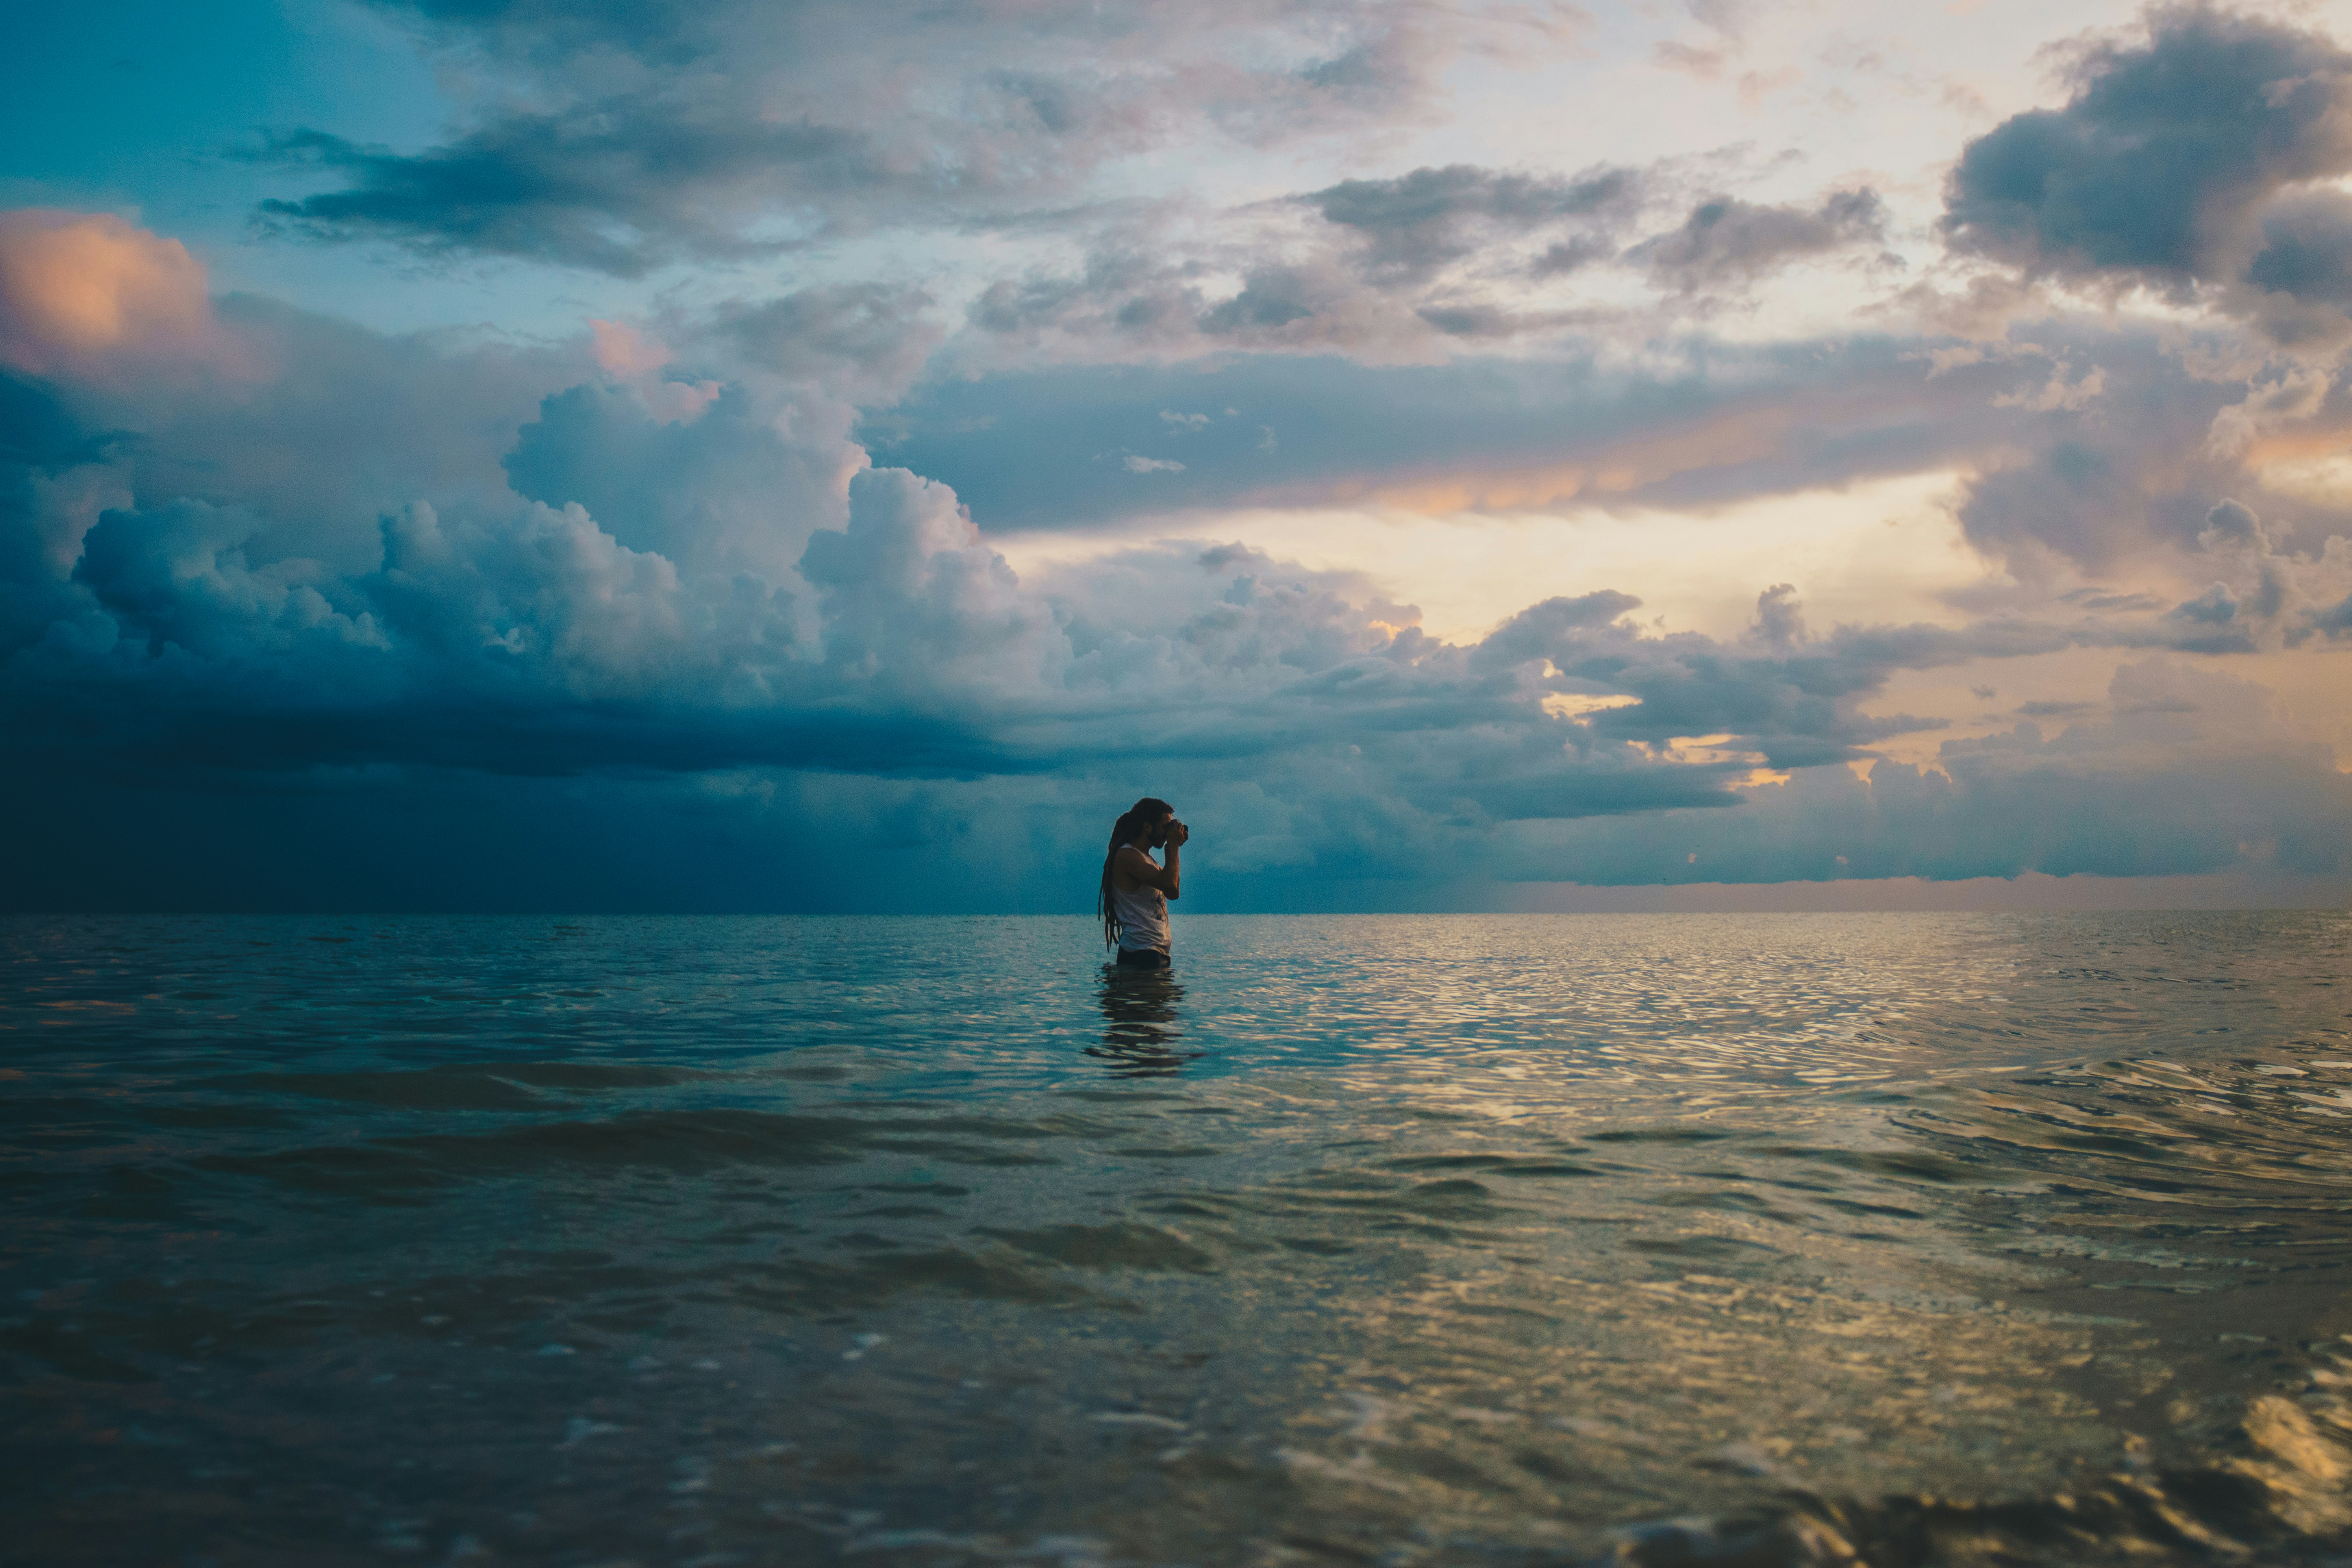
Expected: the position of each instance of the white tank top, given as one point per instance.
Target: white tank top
(1142, 916)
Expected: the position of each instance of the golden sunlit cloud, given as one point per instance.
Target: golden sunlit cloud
(80, 288)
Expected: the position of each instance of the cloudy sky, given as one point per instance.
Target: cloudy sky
(723, 454)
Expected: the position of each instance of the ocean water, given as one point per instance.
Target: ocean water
(1385, 1240)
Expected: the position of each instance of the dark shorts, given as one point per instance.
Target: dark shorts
(1142, 958)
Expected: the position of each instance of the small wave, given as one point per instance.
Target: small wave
(1123, 1245)
(398, 1169)
(2281, 1496)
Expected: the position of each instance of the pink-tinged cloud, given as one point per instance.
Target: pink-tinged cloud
(632, 357)
(80, 292)
(626, 353)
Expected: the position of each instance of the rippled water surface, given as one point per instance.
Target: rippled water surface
(1744, 1239)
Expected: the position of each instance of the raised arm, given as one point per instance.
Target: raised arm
(1140, 870)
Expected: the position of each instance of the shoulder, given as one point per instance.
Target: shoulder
(1129, 855)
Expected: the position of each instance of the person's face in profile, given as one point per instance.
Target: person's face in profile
(1160, 831)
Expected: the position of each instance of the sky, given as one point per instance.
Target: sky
(500, 455)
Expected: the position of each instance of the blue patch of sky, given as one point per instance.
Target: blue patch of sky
(151, 109)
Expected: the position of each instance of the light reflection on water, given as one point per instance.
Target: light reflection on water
(1748, 1239)
(1143, 1030)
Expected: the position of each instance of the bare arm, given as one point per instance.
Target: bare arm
(1137, 870)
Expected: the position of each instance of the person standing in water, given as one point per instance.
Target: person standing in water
(1136, 888)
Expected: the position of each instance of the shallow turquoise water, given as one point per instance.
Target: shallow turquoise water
(1386, 1239)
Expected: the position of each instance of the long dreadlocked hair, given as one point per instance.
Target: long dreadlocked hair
(1142, 813)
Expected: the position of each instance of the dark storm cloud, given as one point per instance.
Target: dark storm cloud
(312, 429)
(663, 575)
(540, 643)
(884, 642)
(729, 602)
(41, 444)
(2160, 168)
(331, 423)
(1727, 243)
(37, 433)
(1418, 222)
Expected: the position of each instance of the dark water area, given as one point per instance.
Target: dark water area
(1385, 1240)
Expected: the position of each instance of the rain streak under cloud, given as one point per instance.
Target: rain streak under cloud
(730, 455)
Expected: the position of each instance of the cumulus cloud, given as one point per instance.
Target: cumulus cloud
(637, 359)
(2264, 591)
(525, 636)
(728, 491)
(320, 429)
(316, 428)
(2185, 160)
(2121, 461)
(918, 613)
(88, 294)
(609, 585)
(323, 424)
(527, 640)
(56, 476)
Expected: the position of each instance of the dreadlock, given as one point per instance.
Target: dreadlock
(1144, 813)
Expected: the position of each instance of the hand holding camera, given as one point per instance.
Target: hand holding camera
(1177, 832)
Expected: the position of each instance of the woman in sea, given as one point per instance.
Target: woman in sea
(1136, 888)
